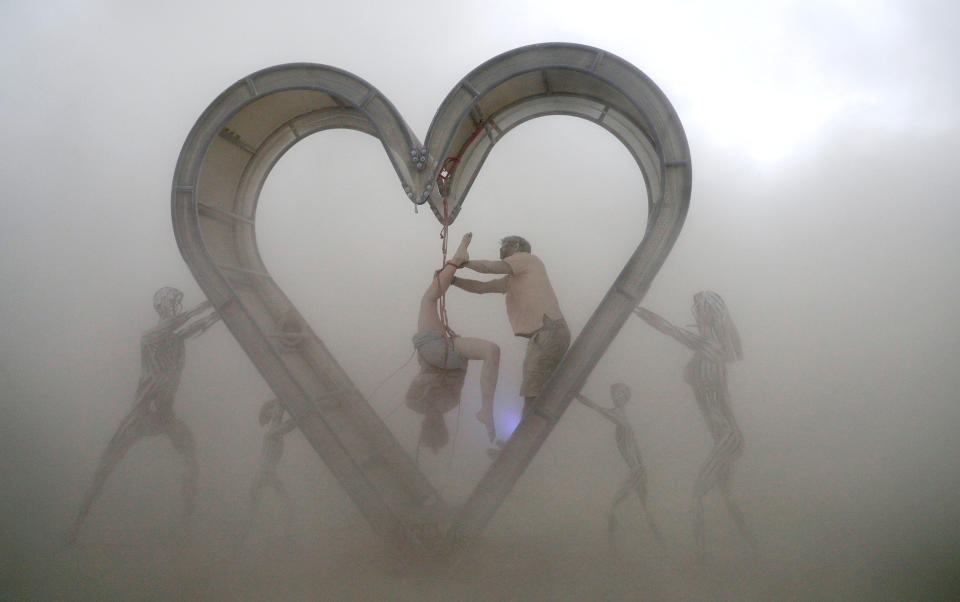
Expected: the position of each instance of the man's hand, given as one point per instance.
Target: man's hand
(497, 285)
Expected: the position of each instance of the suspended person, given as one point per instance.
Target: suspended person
(715, 343)
(271, 416)
(443, 358)
(532, 308)
(636, 479)
(162, 356)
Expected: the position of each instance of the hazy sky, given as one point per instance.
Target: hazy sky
(824, 139)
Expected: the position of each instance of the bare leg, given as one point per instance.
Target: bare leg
(183, 442)
(698, 529)
(118, 447)
(429, 317)
(637, 481)
(256, 491)
(622, 492)
(652, 524)
(460, 257)
(489, 354)
(714, 469)
(737, 515)
(256, 494)
(287, 504)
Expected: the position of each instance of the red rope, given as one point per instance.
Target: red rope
(446, 172)
(442, 301)
(451, 163)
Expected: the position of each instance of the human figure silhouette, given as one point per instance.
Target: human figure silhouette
(636, 479)
(715, 344)
(162, 359)
(271, 416)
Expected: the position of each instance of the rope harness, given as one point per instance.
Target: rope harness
(443, 177)
(447, 332)
(446, 173)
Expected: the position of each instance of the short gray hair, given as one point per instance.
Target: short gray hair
(520, 241)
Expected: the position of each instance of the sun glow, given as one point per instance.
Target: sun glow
(767, 105)
(771, 124)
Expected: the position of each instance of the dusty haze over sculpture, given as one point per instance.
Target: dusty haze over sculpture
(234, 145)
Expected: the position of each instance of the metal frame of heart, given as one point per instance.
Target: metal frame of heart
(239, 138)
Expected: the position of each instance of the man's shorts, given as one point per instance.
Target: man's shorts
(544, 351)
(431, 345)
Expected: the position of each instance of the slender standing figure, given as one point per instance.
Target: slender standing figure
(636, 479)
(715, 343)
(162, 358)
(443, 362)
(271, 416)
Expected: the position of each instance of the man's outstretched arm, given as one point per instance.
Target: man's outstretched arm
(486, 266)
(477, 286)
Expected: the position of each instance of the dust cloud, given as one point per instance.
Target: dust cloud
(836, 255)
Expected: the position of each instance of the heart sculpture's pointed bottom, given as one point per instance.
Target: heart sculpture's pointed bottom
(237, 140)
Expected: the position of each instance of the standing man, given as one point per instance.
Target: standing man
(532, 308)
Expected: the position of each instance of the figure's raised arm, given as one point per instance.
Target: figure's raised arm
(200, 307)
(689, 339)
(199, 326)
(586, 400)
(174, 322)
(606, 413)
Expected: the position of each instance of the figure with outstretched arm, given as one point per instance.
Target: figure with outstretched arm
(636, 479)
(272, 417)
(162, 359)
(443, 358)
(532, 308)
(715, 344)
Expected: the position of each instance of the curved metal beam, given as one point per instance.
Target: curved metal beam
(231, 150)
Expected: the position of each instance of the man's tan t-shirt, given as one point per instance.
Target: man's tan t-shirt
(529, 294)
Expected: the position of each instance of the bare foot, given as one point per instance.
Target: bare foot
(494, 451)
(461, 256)
(486, 417)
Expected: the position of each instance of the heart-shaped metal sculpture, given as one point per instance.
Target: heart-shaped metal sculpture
(235, 143)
